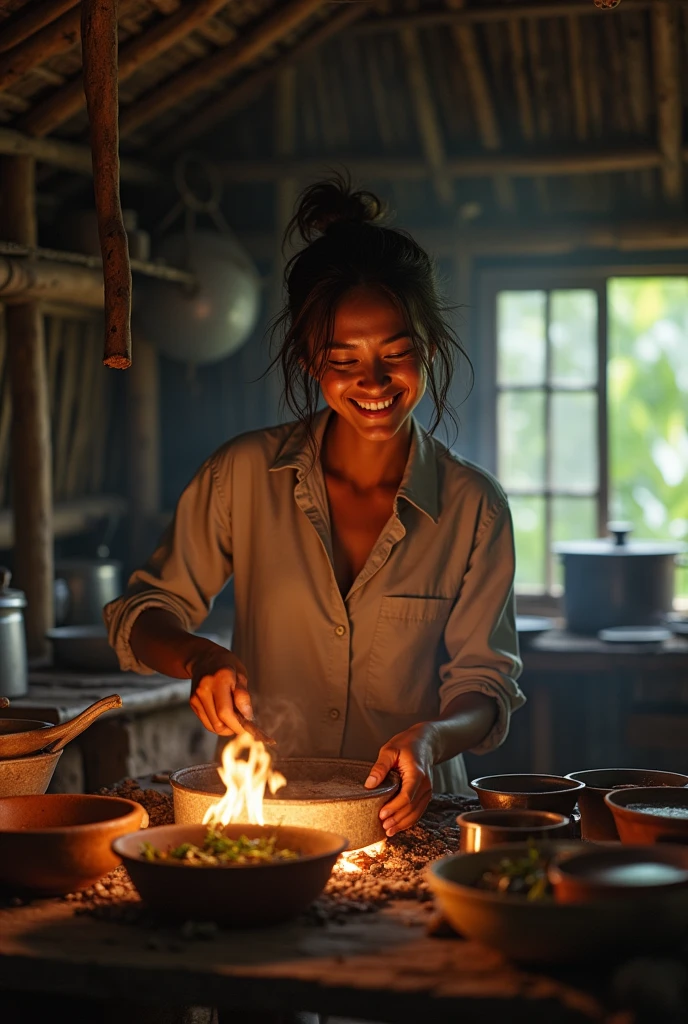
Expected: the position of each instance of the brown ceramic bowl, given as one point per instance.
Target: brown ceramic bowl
(54, 844)
(22, 776)
(657, 814)
(546, 931)
(481, 830)
(528, 792)
(241, 895)
(597, 820)
(621, 872)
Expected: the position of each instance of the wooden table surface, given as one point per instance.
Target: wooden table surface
(381, 966)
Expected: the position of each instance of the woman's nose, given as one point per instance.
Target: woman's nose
(375, 374)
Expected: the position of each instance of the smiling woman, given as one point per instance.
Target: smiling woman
(373, 568)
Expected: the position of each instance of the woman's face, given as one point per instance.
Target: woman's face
(372, 376)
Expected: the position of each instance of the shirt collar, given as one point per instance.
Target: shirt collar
(419, 484)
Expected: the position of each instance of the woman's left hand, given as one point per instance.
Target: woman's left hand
(410, 753)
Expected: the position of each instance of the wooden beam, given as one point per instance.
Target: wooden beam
(580, 107)
(523, 97)
(143, 420)
(237, 96)
(71, 157)
(30, 440)
(427, 120)
(67, 101)
(479, 14)
(31, 19)
(522, 166)
(668, 98)
(70, 517)
(251, 45)
(483, 107)
(57, 37)
(23, 280)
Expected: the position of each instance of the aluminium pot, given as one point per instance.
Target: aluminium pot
(14, 677)
(613, 581)
(90, 584)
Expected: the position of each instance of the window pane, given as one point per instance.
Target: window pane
(572, 519)
(573, 336)
(521, 427)
(529, 535)
(648, 406)
(521, 333)
(574, 441)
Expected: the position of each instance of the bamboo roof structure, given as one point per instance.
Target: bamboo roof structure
(472, 110)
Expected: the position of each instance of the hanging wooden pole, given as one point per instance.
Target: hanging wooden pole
(30, 441)
(99, 58)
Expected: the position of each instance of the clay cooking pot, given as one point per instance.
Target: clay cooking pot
(24, 736)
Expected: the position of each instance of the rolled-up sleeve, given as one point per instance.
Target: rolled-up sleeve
(188, 569)
(480, 635)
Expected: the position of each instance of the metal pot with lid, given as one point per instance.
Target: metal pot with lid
(614, 581)
(14, 679)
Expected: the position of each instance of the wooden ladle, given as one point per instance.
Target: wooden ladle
(19, 736)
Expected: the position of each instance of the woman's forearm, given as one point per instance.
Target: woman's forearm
(159, 640)
(465, 723)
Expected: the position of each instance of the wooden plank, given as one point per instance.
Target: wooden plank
(140, 50)
(523, 97)
(484, 166)
(481, 97)
(59, 36)
(668, 98)
(427, 120)
(31, 19)
(69, 518)
(30, 438)
(70, 157)
(143, 403)
(250, 46)
(479, 14)
(580, 108)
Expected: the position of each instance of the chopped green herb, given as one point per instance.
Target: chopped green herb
(219, 850)
(522, 876)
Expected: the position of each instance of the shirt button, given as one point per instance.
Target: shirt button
(334, 714)
(340, 630)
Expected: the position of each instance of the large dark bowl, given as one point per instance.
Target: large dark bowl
(621, 872)
(241, 895)
(61, 842)
(481, 830)
(657, 825)
(597, 820)
(532, 792)
(545, 931)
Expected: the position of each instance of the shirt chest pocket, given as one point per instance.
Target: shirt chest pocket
(406, 653)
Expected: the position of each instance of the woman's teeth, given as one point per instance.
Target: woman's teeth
(374, 406)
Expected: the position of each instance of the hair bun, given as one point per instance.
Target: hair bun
(330, 203)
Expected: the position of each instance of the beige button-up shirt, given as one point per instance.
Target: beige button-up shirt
(430, 616)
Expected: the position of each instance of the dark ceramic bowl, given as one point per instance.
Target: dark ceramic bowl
(528, 792)
(546, 931)
(658, 814)
(621, 872)
(481, 830)
(61, 842)
(597, 820)
(241, 895)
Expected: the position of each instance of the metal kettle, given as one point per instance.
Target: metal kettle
(14, 677)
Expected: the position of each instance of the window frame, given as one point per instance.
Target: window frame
(492, 281)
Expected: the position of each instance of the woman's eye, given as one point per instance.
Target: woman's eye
(401, 355)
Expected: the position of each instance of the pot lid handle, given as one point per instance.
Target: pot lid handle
(620, 530)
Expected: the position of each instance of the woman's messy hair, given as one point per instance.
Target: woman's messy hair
(347, 246)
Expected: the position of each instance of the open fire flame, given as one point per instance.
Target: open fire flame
(247, 772)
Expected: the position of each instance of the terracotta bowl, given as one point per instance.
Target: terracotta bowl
(597, 821)
(621, 872)
(242, 895)
(321, 793)
(481, 830)
(22, 776)
(531, 792)
(58, 843)
(657, 814)
(546, 931)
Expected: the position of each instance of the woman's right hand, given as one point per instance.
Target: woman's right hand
(218, 688)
